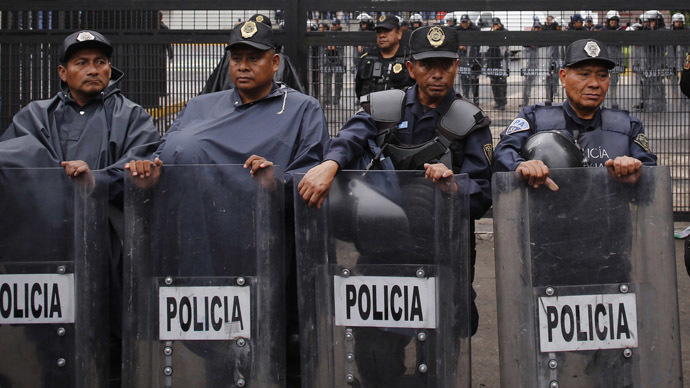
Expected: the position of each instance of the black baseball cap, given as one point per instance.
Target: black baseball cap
(588, 50)
(464, 18)
(251, 33)
(496, 21)
(387, 22)
(257, 17)
(434, 42)
(84, 39)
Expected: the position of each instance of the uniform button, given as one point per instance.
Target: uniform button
(237, 102)
(81, 112)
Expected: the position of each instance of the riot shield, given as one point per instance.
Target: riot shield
(53, 279)
(204, 278)
(384, 282)
(586, 281)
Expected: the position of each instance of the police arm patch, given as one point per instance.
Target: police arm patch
(642, 141)
(489, 152)
(518, 125)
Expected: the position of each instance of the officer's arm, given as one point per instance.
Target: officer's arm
(507, 153)
(476, 163)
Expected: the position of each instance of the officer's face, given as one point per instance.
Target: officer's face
(465, 24)
(388, 39)
(252, 70)
(678, 24)
(613, 23)
(585, 85)
(86, 73)
(578, 24)
(434, 76)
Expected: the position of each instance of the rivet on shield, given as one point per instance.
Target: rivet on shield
(168, 280)
(345, 273)
(350, 378)
(168, 350)
(554, 384)
(423, 368)
(550, 291)
(421, 336)
(241, 342)
(553, 364)
(348, 335)
(62, 270)
(61, 331)
(167, 371)
(240, 281)
(624, 288)
(350, 357)
(627, 353)
(240, 382)
(61, 362)
(420, 273)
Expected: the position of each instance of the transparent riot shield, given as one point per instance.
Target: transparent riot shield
(586, 281)
(384, 282)
(54, 257)
(204, 278)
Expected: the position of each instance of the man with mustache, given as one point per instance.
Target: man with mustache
(608, 137)
(383, 68)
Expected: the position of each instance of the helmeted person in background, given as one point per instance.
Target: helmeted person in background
(652, 64)
(383, 68)
(470, 58)
(451, 20)
(613, 20)
(497, 62)
(220, 77)
(332, 67)
(589, 22)
(576, 23)
(416, 21)
(257, 123)
(88, 125)
(556, 54)
(366, 23)
(679, 51)
(417, 140)
(536, 63)
(608, 137)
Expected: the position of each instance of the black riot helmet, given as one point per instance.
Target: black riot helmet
(554, 149)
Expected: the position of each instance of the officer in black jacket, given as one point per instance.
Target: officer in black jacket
(383, 68)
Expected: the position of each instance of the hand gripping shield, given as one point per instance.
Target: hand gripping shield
(204, 279)
(586, 281)
(384, 282)
(54, 257)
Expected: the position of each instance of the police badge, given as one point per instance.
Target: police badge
(436, 37)
(84, 36)
(248, 29)
(382, 18)
(397, 68)
(592, 49)
(260, 19)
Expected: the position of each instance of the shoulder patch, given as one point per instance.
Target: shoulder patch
(518, 125)
(642, 141)
(489, 152)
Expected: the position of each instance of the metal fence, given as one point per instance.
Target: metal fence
(168, 50)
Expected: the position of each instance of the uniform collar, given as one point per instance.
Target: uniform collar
(411, 100)
(579, 121)
(277, 90)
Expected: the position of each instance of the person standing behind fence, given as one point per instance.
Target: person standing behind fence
(536, 59)
(679, 51)
(383, 68)
(556, 54)
(613, 20)
(654, 67)
(332, 67)
(470, 60)
(497, 66)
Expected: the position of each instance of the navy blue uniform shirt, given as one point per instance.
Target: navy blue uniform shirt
(617, 134)
(472, 156)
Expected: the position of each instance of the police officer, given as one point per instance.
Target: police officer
(497, 68)
(416, 21)
(678, 20)
(416, 140)
(332, 67)
(589, 22)
(470, 60)
(555, 62)
(685, 76)
(613, 20)
(608, 137)
(653, 64)
(536, 61)
(576, 23)
(383, 68)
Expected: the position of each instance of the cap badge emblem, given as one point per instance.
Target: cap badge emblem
(84, 36)
(382, 18)
(248, 29)
(435, 36)
(260, 19)
(397, 68)
(592, 49)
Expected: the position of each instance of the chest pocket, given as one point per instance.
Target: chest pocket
(398, 73)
